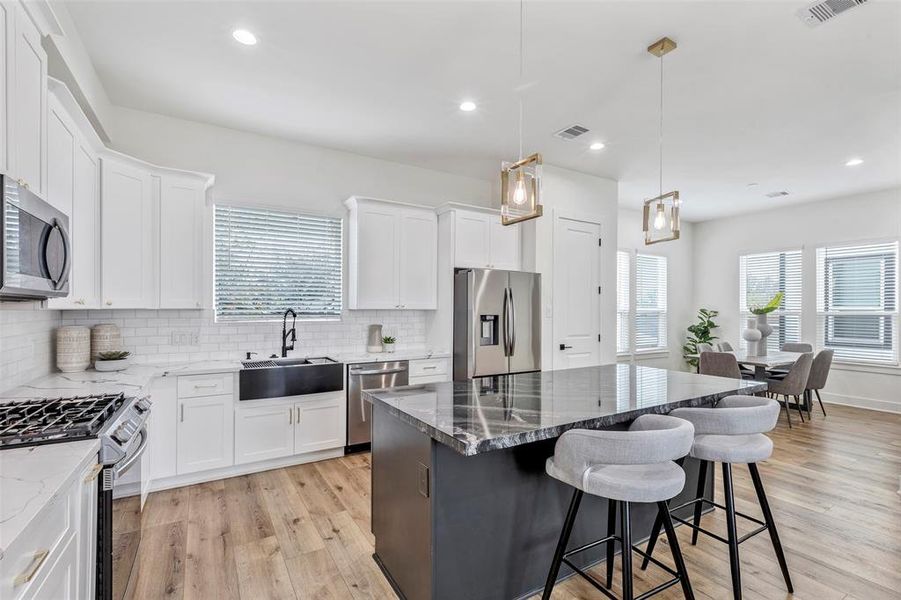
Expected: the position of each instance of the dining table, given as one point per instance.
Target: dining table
(762, 365)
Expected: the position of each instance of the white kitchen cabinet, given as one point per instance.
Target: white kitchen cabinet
(127, 236)
(61, 579)
(29, 105)
(163, 428)
(180, 244)
(7, 49)
(205, 433)
(61, 136)
(264, 432)
(87, 531)
(393, 256)
(481, 241)
(319, 424)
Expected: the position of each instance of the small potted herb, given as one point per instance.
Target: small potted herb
(388, 342)
(115, 360)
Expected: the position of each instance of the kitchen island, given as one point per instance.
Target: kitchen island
(461, 505)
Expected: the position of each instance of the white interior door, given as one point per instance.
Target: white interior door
(577, 305)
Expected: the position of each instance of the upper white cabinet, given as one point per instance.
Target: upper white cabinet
(7, 38)
(27, 98)
(480, 240)
(73, 186)
(393, 256)
(127, 236)
(181, 229)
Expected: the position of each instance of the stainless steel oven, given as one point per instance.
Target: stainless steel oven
(36, 252)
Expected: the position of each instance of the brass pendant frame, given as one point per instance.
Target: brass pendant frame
(510, 213)
(674, 222)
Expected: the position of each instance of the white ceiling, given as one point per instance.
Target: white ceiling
(753, 94)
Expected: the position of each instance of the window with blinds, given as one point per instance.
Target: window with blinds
(762, 276)
(267, 261)
(857, 302)
(650, 303)
(623, 302)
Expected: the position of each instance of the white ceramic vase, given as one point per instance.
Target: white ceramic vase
(751, 335)
(765, 330)
(73, 349)
(105, 337)
(388, 347)
(112, 365)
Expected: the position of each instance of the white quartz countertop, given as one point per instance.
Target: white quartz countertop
(31, 478)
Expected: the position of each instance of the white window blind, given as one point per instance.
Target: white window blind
(268, 261)
(623, 302)
(857, 302)
(650, 303)
(762, 276)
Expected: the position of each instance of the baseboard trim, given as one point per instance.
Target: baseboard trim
(862, 402)
(177, 481)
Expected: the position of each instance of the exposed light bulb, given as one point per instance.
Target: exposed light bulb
(660, 218)
(519, 194)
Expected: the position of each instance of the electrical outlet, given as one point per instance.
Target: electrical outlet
(184, 338)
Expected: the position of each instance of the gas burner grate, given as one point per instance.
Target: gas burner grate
(30, 422)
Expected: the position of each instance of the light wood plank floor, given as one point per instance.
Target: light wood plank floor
(303, 532)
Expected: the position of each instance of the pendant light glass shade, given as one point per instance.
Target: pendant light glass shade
(521, 190)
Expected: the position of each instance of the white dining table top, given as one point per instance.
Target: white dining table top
(773, 358)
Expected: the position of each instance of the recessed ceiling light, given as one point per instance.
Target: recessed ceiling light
(597, 146)
(854, 162)
(468, 106)
(245, 37)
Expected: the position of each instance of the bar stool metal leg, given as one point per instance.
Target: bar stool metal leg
(666, 519)
(611, 545)
(626, 554)
(770, 524)
(561, 544)
(732, 531)
(702, 485)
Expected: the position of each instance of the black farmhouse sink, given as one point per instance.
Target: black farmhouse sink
(277, 377)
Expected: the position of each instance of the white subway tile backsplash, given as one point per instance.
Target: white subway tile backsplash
(27, 342)
(149, 334)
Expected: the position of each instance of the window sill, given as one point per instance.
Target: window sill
(867, 368)
(219, 321)
(643, 355)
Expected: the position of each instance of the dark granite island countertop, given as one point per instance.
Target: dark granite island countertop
(461, 504)
(492, 413)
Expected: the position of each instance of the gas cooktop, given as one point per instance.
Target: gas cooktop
(49, 420)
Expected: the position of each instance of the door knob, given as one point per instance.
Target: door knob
(565, 347)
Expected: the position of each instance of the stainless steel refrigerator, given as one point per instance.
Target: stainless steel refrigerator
(497, 322)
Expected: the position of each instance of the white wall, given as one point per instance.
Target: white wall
(679, 293)
(719, 243)
(574, 194)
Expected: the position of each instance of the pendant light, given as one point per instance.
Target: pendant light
(521, 180)
(665, 225)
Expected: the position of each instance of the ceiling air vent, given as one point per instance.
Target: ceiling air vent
(571, 132)
(820, 12)
(777, 194)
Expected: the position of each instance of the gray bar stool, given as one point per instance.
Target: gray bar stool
(731, 433)
(624, 467)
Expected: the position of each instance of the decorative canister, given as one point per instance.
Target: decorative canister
(73, 349)
(105, 337)
(751, 335)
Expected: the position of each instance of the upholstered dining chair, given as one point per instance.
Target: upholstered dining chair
(746, 373)
(792, 385)
(797, 347)
(703, 347)
(719, 364)
(819, 371)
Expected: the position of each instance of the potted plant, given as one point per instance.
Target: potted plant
(114, 360)
(699, 333)
(388, 342)
(763, 327)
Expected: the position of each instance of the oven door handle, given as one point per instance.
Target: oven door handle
(127, 464)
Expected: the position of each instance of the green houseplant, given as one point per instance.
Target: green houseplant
(699, 333)
(769, 307)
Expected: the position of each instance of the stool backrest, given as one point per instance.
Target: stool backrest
(719, 364)
(819, 370)
(734, 415)
(797, 347)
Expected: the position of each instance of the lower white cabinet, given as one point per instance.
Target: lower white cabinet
(162, 427)
(205, 433)
(319, 425)
(264, 432)
(285, 428)
(61, 579)
(87, 536)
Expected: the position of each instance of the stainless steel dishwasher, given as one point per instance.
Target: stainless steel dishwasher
(369, 376)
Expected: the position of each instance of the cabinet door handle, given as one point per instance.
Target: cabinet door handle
(182, 413)
(204, 386)
(95, 470)
(290, 416)
(298, 415)
(39, 557)
(79, 301)
(109, 302)
(432, 368)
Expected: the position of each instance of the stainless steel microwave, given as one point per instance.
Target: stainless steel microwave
(36, 251)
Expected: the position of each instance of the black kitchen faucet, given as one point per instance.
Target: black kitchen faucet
(288, 332)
